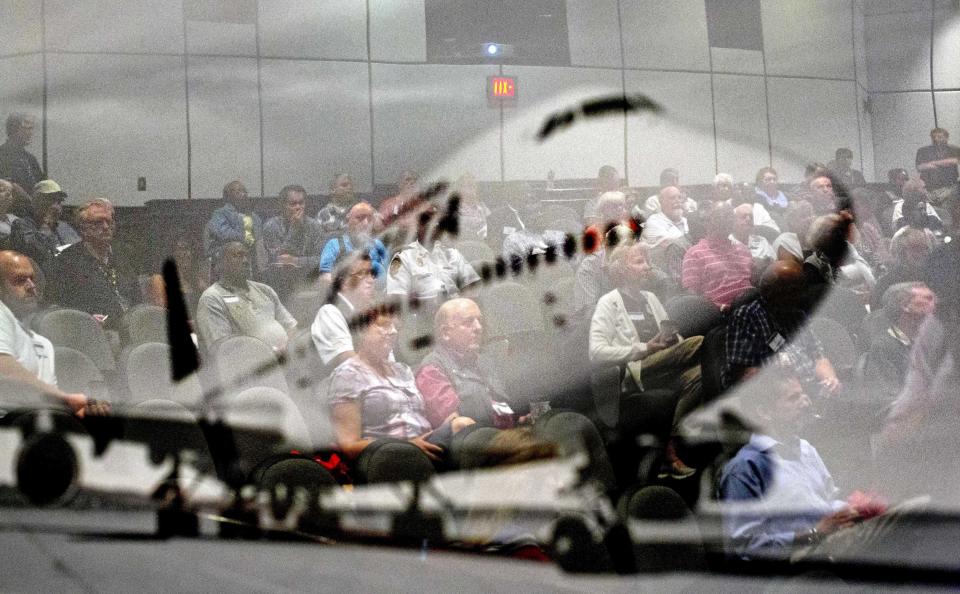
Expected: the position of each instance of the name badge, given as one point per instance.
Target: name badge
(637, 317)
(776, 343)
(231, 299)
(509, 230)
(502, 408)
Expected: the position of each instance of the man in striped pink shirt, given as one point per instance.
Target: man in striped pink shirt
(716, 267)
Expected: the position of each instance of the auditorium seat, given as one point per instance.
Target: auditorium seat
(149, 376)
(78, 330)
(244, 362)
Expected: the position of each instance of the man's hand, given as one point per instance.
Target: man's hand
(457, 424)
(844, 518)
(656, 344)
(831, 384)
(77, 402)
(432, 451)
(97, 408)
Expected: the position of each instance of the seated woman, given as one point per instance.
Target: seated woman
(628, 328)
(194, 279)
(378, 413)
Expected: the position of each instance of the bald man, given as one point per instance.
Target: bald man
(25, 356)
(231, 222)
(775, 323)
(359, 235)
(457, 380)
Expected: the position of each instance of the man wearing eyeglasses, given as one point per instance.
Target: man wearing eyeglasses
(358, 236)
(85, 276)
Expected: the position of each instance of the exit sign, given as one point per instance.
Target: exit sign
(501, 90)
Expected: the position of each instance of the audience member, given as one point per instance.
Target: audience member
(822, 197)
(775, 324)
(869, 239)
(908, 257)
(236, 305)
(896, 178)
(332, 216)
(194, 278)
(744, 227)
(373, 398)
(395, 207)
(669, 222)
(779, 499)
(472, 212)
(292, 242)
(457, 378)
(608, 180)
(6, 217)
(41, 234)
(843, 171)
(905, 307)
(26, 357)
(718, 268)
(230, 223)
(86, 275)
(628, 328)
(427, 270)
(914, 209)
(937, 164)
(358, 235)
(669, 177)
(351, 294)
(16, 164)
(768, 193)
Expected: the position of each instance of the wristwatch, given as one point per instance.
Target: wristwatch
(809, 537)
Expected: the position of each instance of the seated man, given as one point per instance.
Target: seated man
(333, 216)
(25, 356)
(774, 324)
(85, 276)
(358, 235)
(292, 242)
(670, 222)
(905, 307)
(743, 233)
(352, 294)
(426, 269)
(236, 305)
(779, 500)
(457, 379)
(716, 267)
(230, 223)
(914, 209)
(41, 235)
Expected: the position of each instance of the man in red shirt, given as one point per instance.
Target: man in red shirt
(716, 267)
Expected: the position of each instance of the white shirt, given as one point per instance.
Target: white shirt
(898, 212)
(29, 349)
(659, 227)
(652, 204)
(330, 332)
(758, 245)
(429, 273)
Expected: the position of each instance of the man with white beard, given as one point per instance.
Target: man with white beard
(359, 235)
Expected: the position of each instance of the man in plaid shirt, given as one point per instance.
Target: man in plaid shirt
(774, 323)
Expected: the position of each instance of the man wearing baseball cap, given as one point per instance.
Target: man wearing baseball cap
(42, 234)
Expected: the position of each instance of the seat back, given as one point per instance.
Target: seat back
(474, 250)
(510, 309)
(244, 362)
(78, 330)
(77, 373)
(263, 407)
(149, 376)
(145, 323)
(836, 341)
(695, 315)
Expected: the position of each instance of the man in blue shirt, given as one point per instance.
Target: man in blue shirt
(359, 235)
(778, 497)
